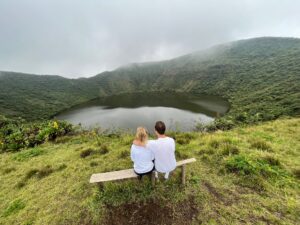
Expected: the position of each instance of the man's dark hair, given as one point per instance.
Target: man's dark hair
(160, 127)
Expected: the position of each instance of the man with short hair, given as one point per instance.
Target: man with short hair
(163, 149)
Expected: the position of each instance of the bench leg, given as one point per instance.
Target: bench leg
(153, 179)
(100, 186)
(183, 175)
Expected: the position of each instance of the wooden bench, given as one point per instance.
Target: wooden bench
(129, 173)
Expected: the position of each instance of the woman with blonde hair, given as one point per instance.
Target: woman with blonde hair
(141, 156)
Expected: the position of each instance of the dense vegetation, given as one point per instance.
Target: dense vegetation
(18, 134)
(260, 78)
(247, 175)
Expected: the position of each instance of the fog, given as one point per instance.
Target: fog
(76, 38)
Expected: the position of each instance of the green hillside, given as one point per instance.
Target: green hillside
(247, 175)
(260, 78)
(38, 97)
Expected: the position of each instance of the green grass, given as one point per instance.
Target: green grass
(245, 175)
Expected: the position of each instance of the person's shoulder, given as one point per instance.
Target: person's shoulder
(151, 143)
(171, 139)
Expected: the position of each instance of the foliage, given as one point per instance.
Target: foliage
(250, 166)
(16, 134)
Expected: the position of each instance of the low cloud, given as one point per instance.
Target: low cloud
(82, 38)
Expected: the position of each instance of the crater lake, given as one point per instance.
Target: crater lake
(180, 111)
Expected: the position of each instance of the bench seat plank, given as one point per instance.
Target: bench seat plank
(115, 175)
(186, 161)
(126, 174)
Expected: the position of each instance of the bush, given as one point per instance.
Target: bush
(220, 124)
(241, 165)
(15, 135)
(265, 167)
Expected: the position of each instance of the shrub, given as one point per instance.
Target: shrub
(220, 124)
(15, 135)
(240, 164)
(265, 167)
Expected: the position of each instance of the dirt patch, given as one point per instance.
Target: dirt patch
(211, 189)
(152, 213)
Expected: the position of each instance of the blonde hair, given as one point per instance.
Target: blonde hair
(141, 135)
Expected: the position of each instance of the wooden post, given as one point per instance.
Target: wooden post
(183, 175)
(100, 186)
(153, 178)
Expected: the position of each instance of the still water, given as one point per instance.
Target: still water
(128, 111)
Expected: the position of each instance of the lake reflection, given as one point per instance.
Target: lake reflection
(128, 111)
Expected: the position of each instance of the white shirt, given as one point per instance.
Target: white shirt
(142, 158)
(164, 154)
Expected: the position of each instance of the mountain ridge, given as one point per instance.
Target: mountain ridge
(265, 68)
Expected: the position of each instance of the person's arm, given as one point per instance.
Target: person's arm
(150, 147)
(152, 154)
(174, 146)
(132, 155)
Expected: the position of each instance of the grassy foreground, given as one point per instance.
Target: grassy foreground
(247, 175)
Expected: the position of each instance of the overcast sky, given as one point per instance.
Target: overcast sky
(76, 38)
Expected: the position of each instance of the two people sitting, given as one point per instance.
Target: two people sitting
(153, 155)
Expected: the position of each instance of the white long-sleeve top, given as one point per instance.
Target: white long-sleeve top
(142, 158)
(164, 154)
